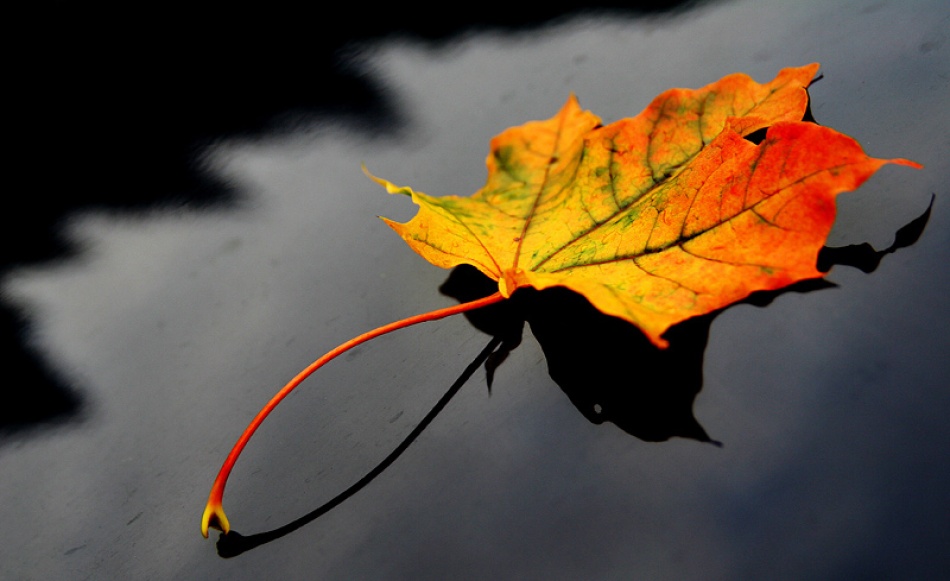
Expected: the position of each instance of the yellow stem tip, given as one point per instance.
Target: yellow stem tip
(214, 517)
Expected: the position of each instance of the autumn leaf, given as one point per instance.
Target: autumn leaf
(656, 218)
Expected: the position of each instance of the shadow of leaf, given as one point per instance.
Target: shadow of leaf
(606, 366)
(609, 370)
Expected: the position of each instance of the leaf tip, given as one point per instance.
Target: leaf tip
(390, 187)
(572, 106)
(906, 162)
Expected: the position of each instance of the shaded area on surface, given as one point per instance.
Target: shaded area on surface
(33, 393)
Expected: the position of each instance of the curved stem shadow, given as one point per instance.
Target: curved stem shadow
(233, 544)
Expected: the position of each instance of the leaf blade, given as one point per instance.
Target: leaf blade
(656, 218)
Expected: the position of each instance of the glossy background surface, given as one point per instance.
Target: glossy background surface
(173, 318)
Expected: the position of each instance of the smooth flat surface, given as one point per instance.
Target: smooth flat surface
(174, 326)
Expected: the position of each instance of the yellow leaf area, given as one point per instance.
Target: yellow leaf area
(659, 217)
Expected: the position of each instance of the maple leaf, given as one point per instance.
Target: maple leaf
(656, 218)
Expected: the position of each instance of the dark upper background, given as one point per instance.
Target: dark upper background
(111, 111)
(124, 102)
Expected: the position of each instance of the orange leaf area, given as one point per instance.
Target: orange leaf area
(659, 217)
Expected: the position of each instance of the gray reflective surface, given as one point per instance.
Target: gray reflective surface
(175, 327)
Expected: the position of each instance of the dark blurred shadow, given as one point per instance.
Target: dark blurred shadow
(115, 114)
(113, 111)
(32, 393)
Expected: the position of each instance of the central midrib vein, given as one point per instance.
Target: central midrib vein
(537, 198)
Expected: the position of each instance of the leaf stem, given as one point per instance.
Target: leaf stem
(214, 516)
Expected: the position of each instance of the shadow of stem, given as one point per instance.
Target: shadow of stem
(233, 543)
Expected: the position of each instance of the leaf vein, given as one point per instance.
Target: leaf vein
(474, 235)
